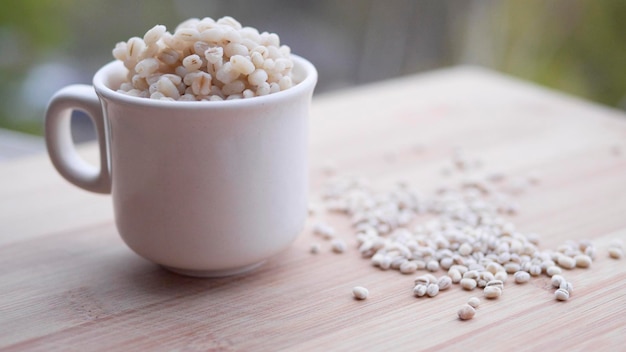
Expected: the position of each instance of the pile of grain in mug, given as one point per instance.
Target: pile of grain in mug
(468, 235)
(205, 60)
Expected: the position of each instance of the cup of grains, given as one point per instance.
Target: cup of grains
(202, 137)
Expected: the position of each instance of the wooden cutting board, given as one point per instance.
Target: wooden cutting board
(67, 282)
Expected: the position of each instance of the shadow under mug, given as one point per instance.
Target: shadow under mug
(208, 188)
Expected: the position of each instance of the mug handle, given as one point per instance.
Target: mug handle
(59, 141)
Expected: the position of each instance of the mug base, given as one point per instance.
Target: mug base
(214, 273)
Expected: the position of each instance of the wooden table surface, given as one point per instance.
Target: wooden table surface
(68, 283)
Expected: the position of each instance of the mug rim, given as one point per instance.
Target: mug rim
(307, 84)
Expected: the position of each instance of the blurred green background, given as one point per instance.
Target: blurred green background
(575, 46)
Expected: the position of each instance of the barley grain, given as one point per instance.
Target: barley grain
(561, 294)
(566, 262)
(419, 290)
(466, 312)
(444, 282)
(553, 270)
(385, 263)
(432, 290)
(495, 283)
(474, 302)
(338, 245)
(494, 267)
(468, 284)
(492, 292)
(218, 48)
(521, 277)
(432, 265)
(192, 62)
(512, 267)
(535, 270)
(360, 292)
(582, 261)
(501, 275)
(465, 249)
(324, 230)
(425, 279)
(408, 267)
(566, 285)
(616, 252)
(556, 280)
(455, 275)
(471, 274)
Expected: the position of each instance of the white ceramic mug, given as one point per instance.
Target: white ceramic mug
(201, 188)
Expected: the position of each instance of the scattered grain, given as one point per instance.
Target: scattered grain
(467, 235)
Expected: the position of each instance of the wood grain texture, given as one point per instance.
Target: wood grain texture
(67, 281)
